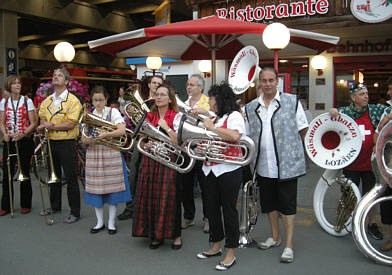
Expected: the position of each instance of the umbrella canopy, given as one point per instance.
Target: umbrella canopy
(206, 38)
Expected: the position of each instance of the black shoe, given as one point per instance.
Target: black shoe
(96, 230)
(125, 215)
(176, 246)
(112, 231)
(155, 244)
(374, 232)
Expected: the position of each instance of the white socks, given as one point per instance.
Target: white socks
(112, 217)
(99, 214)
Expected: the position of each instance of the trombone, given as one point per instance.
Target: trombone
(20, 176)
(41, 153)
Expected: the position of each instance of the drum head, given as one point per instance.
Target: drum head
(333, 143)
(243, 69)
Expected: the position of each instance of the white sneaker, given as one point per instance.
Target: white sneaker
(268, 243)
(287, 256)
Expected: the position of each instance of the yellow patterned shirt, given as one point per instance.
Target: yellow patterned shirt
(202, 103)
(68, 110)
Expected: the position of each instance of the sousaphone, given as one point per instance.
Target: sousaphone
(334, 143)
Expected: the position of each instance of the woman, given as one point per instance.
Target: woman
(106, 174)
(223, 181)
(121, 100)
(158, 209)
(17, 123)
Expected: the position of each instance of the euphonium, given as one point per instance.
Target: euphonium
(136, 108)
(163, 149)
(382, 168)
(94, 125)
(248, 212)
(187, 110)
(213, 146)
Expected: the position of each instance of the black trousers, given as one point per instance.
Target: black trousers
(64, 156)
(188, 183)
(367, 177)
(26, 148)
(386, 208)
(221, 195)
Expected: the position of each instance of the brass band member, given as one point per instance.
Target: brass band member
(18, 120)
(106, 173)
(223, 181)
(367, 116)
(158, 211)
(199, 103)
(277, 124)
(59, 114)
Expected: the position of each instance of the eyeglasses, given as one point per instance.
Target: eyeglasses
(190, 84)
(160, 95)
(99, 100)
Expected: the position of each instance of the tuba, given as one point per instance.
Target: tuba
(213, 146)
(136, 108)
(334, 143)
(163, 150)
(185, 109)
(94, 125)
(249, 211)
(382, 168)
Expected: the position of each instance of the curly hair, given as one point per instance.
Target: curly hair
(225, 99)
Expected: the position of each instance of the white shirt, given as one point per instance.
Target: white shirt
(30, 104)
(58, 99)
(234, 122)
(267, 163)
(116, 117)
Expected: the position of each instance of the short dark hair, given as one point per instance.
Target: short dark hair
(389, 81)
(99, 89)
(64, 72)
(269, 69)
(157, 76)
(11, 80)
(225, 99)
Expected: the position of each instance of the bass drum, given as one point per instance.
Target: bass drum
(349, 197)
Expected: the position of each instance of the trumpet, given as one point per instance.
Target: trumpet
(213, 146)
(43, 155)
(94, 125)
(163, 149)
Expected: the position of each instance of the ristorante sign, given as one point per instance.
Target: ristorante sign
(283, 10)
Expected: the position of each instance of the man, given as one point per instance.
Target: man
(367, 116)
(276, 123)
(154, 83)
(386, 207)
(199, 104)
(59, 114)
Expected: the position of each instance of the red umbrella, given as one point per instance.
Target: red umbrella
(207, 38)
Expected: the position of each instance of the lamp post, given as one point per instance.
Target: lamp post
(153, 63)
(64, 52)
(276, 36)
(319, 63)
(205, 67)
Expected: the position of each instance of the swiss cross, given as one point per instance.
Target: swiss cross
(364, 132)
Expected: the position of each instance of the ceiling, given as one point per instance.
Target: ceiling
(47, 32)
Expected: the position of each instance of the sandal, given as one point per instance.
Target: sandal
(71, 219)
(47, 212)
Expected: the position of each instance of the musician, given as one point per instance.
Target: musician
(106, 173)
(277, 123)
(121, 101)
(59, 114)
(154, 82)
(17, 123)
(367, 116)
(158, 211)
(223, 181)
(199, 104)
(386, 206)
